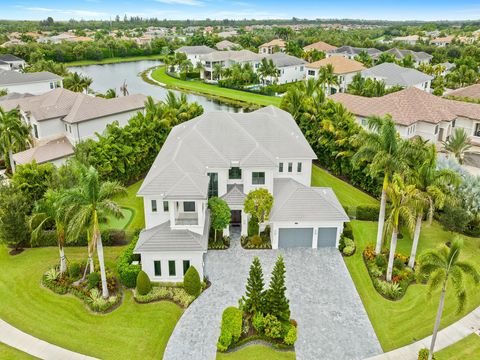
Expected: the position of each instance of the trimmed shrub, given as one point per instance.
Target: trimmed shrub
(253, 226)
(191, 282)
(231, 328)
(341, 243)
(256, 240)
(74, 270)
(144, 286)
(93, 280)
(368, 212)
(291, 336)
(273, 327)
(128, 273)
(348, 250)
(258, 322)
(347, 230)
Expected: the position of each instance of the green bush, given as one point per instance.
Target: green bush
(74, 270)
(253, 226)
(348, 250)
(388, 289)
(380, 261)
(231, 328)
(258, 322)
(423, 354)
(399, 264)
(273, 327)
(291, 336)
(348, 231)
(368, 212)
(191, 282)
(144, 285)
(93, 280)
(341, 243)
(256, 240)
(128, 273)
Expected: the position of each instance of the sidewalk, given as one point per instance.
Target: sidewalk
(446, 337)
(41, 349)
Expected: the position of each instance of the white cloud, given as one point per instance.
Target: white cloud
(69, 12)
(181, 2)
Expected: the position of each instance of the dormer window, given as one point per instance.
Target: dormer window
(234, 173)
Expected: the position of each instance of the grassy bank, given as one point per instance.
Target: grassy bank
(113, 60)
(9, 353)
(466, 349)
(214, 91)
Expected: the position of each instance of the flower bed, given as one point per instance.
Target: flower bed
(222, 242)
(89, 291)
(402, 276)
(261, 241)
(176, 294)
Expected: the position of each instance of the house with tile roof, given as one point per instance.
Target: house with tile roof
(344, 68)
(194, 53)
(319, 46)
(227, 45)
(419, 57)
(417, 113)
(271, 47)
(471, 92)
(228, 155)
(350, 52)
(395, 75)
(442, 41)
(60, 119)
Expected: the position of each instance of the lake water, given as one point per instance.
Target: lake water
(110, 76)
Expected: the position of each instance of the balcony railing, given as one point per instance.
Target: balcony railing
(187, 219)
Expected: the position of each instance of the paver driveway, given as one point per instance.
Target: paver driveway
(332, 322)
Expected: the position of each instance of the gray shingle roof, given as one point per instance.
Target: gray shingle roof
(9, 58)
(281, 60)
(234, 55)
(163, 238)
(350, 50)
(394, 74)
(11, 77)
(54, 149)
(215, 140)
(417, 56)
(235, 195)
(191, 50)
(297, 202)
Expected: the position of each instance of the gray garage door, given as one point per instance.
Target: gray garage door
(327, 237)
(295, 237)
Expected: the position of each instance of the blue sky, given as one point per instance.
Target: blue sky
(259, 9)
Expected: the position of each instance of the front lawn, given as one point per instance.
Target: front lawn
(466, 349)
(132, 331)
(257, 352)
(399, 323)
(9, 353)
(213, 90)
(135, 204)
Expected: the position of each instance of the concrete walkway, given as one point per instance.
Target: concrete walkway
(446, 337)
(31, 345)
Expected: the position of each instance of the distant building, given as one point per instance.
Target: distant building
(419, 57)
(442, 41)
(194, 52)
(409, 40)
(351, 52)
(320, 46)
(227, 45)
(276, 45)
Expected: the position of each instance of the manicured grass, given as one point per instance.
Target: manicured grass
(347, 194)
(214, 90)
(9, 353)
(132, 331)
(120, 224)
(113, 60)
(466, 349)
(257, 352)
(399, 323)
(135, 204)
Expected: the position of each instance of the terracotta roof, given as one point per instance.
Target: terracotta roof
(274, 42)
(472, 92)
(409, 106)
(320, 46)
(341, 65)
(446, 39)
(52, 150)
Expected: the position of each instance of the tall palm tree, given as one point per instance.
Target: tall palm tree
(458, 144)
(443, 267)
(364, 58)
(14, 134)
(86, 206)
(49, 209)
(402, 198)
(76, 83)
(111, 93)
(217, 71)
(433, 185)
(384, 149)
(327, 77)
(357, 86)
(267, 69)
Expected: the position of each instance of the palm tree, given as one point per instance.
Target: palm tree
(443, 267)
(384, 149)
(357, 86)
(364, 58)
(49, 209)
(386, 57)
(402, 198)
(408, 61)
(110, 94)
(14, 134)
(87, 205)
(327, 77)
(458, 144)
(77, 83)
(433, 186)
(217, 71)
(267, 69)
(86, 83)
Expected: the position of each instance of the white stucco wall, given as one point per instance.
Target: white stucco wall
(304, 177)
(147, 260)
(47, 129)
(290, 74)
(36, 88)
(247, 176)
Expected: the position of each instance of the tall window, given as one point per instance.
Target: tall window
(171, 268)
(157, 267)
(213, 185)
(154, 205)
(186, 265)
(35, 130)
(235, 173)
(290, 167)
(477, 129)
(189, 206)
(258, 178)
(280, 167)
(299, 167)
(165, 206)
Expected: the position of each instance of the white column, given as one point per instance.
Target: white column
(226, 231)
(315, 237)
(171, 211)
(274, 236)
(244, 226)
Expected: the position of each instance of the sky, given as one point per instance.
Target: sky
(242, 9)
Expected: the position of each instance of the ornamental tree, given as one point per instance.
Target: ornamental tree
(258, 203)
(253, 299)
(220, 214)
(276, 303)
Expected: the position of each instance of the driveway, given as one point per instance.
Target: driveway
(332, 322)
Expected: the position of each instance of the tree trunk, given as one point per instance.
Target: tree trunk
(416, 237)
(63, 261)
(391, 257)
(381, 221)
(12, 163)
(437, 320)
(102, 265)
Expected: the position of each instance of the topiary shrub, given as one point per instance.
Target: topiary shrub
(231, 328)
(144, 286)
(93, 280)
(191, 282)
(291, 336)
(273, 326)
(347, 230)
(253, 226)
(348, 250)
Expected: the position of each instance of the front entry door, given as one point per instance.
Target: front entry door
(236, 217)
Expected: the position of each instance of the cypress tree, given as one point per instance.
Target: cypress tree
(276, 302)
(253, 299)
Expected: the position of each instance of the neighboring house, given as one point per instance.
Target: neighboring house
(320, 46)
(69, 37)
(409, 40)
(61, 117)
(419, 57)
(34, 83)
(350, 52)
(228, 155)
(395, 75)
(276, 45)
(12, 42)
(4, 65)
(14, 62)
(417, 113)
(290, 68)
(469, 92)
(227, 45)
(344, 68)
(226, 34)
(442, 41)
(448, 68)
(195, 52)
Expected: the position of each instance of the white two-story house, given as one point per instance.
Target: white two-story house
(35, 83)
(228, 155)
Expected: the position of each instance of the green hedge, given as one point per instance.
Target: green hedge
(127, 272)
(367, 212)
(231, 328)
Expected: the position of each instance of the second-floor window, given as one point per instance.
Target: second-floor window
(189, 206)
(311, 72)
(299, 167)
(154, 205)
(258, 178)
(235, 173)
(165, 206)
(280, 167)
(290, 167)
(213, 184)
